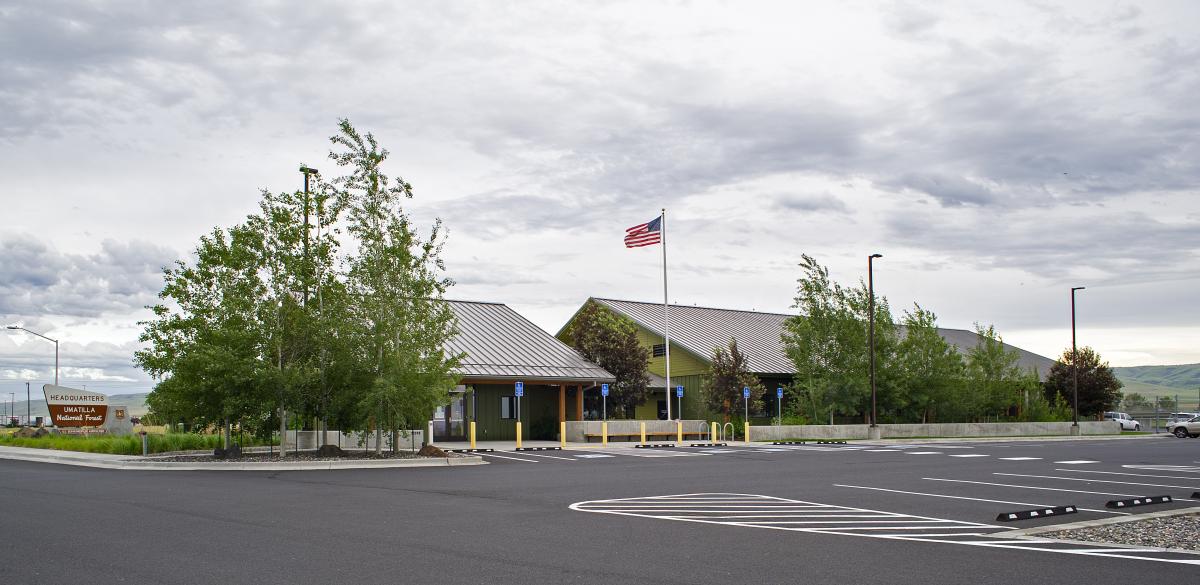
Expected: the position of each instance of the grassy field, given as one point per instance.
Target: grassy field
(126, 445)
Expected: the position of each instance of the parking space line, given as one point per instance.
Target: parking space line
(1132, 474)
(507, 457)
(923, 452)
(1020, 458)
(971, 455)
(863, 487)
(546, 456)
(1088, 479)
(1031, 487)
(1076, 462)
(1178, 468)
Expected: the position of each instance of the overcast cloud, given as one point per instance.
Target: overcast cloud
(996, 154)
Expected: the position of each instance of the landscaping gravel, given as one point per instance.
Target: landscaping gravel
(1181, 532)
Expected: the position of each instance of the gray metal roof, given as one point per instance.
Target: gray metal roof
(760, 335)
(500, 343)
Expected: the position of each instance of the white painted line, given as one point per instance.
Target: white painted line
(593, 456)
(1076, 462)
(1031, 487)
(1179, 468)
(1131, 474)
(863, 487)
(972, 455)
(923, 452)
(1088, 479)
(546, 456)
(883, 451)
(1019, 458)
(506, 457)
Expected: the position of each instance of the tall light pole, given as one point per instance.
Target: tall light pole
(1074, 358)
(19, 328)
(871, 320)
(307, 171)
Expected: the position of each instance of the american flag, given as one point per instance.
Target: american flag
(645, 234)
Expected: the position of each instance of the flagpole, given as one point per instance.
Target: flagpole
(666, 313)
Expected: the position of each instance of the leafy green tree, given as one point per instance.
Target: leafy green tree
(610, 340)
(932, 370)
(1135, 401)
(727, 377)
(1099, 388)
(205, 343)
(396, 279)
(995, 383)
(828, 343)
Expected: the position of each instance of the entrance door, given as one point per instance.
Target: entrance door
(448, 421)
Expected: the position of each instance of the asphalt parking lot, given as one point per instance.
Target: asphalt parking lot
(867, 513)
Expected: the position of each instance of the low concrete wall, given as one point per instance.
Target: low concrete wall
(577, 430)
(309, 440)
(886, 431)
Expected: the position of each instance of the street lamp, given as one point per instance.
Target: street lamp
(1074, 358)
(871, 320)
(19, 328)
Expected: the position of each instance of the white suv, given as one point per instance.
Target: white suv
(1185, 428)
(1127, 422)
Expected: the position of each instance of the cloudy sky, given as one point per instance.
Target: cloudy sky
(996, 153)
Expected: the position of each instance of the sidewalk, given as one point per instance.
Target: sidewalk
(136, 462)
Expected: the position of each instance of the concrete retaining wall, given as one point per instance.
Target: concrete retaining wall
(577, 430)
(778, 433)
(310, 440)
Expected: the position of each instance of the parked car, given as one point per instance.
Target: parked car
(1175, 417)
(1187, 428)
(1127, 422)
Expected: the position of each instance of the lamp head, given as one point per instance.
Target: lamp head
(1078, 287)
(876, 256)
(12, 327)
(309, 170)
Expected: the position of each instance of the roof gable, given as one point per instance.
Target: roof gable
(500, 343)
(760, 335)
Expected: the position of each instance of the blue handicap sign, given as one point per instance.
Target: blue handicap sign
(604, 389)
(779, 392)
(746, 392)
(679, 391)
(520, 389)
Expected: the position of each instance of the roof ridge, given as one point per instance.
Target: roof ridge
(698, 307)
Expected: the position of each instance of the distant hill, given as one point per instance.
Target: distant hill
(1181, 380)
(135, 402)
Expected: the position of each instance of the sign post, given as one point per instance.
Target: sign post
(746, 400)
(519, 390)
(604, 402)
(779, 406)
(679, 395)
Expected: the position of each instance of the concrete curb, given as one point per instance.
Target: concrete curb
(1100, 522)
(126, 462)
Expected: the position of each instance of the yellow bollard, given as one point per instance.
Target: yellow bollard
(518, 434)
(643, 433)
(472, 434)
(604, 433)
(679, 431)
(562, 435)
(712, 437)
(747, 432)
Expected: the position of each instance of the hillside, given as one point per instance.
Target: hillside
(1179, 380)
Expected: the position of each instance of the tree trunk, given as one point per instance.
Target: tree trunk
(282, 432)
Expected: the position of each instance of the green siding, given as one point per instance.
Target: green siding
(539, 413)
(683, 363)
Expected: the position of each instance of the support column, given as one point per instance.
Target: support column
(562, 403)
(579, 402)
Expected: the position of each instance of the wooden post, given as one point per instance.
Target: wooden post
(579, 402)
(562, 403)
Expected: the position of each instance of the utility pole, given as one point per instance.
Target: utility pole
(1074, 363)
(28, 420)
(871, 319)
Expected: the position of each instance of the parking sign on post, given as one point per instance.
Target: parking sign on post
(604, 401)
(679, 396)
(746, 399)
(779, 405)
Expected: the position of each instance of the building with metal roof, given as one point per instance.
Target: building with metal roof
(697, 331)
(501, 347)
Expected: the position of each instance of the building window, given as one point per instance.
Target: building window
(508, 407)
(660, 349)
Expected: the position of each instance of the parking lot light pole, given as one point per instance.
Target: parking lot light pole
(871, 320)
(1074, 360)
(19, 328)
